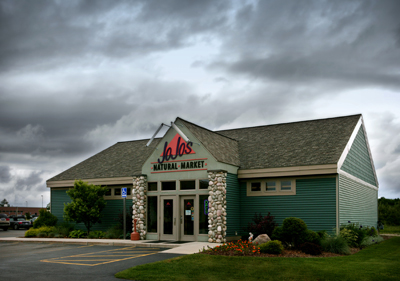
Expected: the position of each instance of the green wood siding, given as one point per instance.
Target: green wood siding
(110, 213)
(314, 202)
(357, 203)
(232, 205)
(358, 161)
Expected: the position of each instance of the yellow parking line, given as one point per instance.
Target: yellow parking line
(113, 253)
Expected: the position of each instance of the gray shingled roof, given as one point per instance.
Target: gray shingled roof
(123, 159)
(224, 149)
(314, 142)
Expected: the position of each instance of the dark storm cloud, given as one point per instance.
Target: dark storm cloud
(5, 175)
(43, 34)
(29, 182)
(351, 43)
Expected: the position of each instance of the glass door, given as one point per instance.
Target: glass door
(168, 218)
(188, 216)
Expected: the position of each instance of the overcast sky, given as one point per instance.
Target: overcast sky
(79, 76)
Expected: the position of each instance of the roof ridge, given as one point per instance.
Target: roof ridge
(215, 132)
(294, 122)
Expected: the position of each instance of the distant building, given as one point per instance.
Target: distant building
(20, 210)
(209, 187)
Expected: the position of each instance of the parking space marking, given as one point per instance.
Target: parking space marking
(101, 257)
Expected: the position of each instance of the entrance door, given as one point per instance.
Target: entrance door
(187, 218)
(168, 218)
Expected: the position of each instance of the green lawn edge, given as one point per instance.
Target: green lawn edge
(377, 262)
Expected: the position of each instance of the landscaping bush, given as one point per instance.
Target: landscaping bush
(97, 234)
(239, 248)
(64, 229)
(359, 230)
(310, 248)
(350, 236)
(262, 225)
(271, 247)
(34, 232)
(335, 244)
(113, 233)
(77, 234)
(370, 240)
(45, 219)
(310, 237)
(294, 232)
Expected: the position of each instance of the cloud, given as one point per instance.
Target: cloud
(5, 175)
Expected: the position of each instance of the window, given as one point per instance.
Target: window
(168, 185)
(152, 186)
(203, 215)
(255, 186)
(108, 193)
(286, 185)
(203, 184)
(271, 187)
(117, 191)
(187, 185)
(152, 213)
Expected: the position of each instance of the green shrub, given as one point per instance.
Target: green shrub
(77, 233)
(370, 240)
(310, 237)
(294, 232)
(373, 232)
(350, 236)
(34, 232)
(335, 244)
(113, 233)
(96, 234)
(262, 225)
(64, 229)
(42, 234)
(272, 247)
(45, 219)
(360, 231)
(310, 248)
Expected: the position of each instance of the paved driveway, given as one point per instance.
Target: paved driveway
(48, 261)
(12, 233)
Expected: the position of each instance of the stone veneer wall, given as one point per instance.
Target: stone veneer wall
(217, 206)
(139, 204)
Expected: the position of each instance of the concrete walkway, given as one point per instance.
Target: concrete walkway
(185, 248)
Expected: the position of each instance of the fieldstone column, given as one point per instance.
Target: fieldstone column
(139, 204)
(217, 206)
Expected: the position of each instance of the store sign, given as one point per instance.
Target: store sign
(169, 158)
(180, 166)
(176, 147)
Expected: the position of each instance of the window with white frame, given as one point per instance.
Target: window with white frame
(268, 187)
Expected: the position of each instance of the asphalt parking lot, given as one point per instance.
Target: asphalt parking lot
(55, 261)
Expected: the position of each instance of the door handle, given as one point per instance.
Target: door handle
(174, 221)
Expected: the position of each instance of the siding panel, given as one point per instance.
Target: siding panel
(232, 205)
(110, 212)
(358, 162)
(357, 203)
(314, 202)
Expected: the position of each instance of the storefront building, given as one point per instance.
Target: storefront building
(209, 186)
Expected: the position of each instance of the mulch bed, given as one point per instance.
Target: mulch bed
(285, 254)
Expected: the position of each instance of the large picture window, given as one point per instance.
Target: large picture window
(152, 213)
(268, 187)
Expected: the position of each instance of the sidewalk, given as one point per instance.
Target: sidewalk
(185, 248)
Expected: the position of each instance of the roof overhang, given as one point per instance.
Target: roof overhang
(288, 171)
(98, 181)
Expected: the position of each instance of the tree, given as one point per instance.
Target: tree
(3, 202)
(45, 219)
(87, 204)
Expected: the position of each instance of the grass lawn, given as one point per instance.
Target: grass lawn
(377, 262)
(390, 229)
